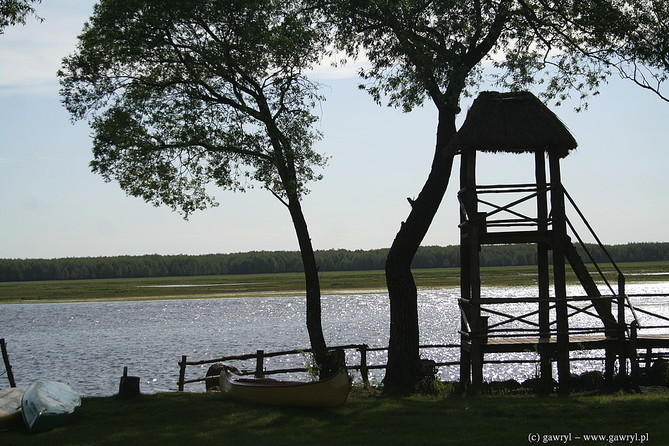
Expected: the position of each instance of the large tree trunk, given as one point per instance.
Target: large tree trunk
(324, 361)
(404, 367)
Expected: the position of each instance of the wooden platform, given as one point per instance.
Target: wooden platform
(530, 344)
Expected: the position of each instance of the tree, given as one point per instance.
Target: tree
(14, 12)
(184, 94)
(443, 50)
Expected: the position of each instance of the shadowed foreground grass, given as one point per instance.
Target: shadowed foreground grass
(205, 419)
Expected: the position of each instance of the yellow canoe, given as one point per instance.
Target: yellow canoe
(325, 393)
(10, 407)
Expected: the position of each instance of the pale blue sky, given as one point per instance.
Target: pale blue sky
(53, 206)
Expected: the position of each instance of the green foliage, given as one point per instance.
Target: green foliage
(436, 388)
(275, 262)
(15, 12)
(441, 50)
(181, 95)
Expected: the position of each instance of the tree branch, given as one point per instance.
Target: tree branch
(278, 197)
(212, 148)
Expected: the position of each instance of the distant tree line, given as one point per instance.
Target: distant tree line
(288, 261)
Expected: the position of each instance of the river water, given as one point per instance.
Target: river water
(88, 344)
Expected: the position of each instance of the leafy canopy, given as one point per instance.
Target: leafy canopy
(441, 48)
(15, 12)
(181, 94)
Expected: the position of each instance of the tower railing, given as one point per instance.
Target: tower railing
(499, 322)
(623, 301)
(531, 191)
(525, 324)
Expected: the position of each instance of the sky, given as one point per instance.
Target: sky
(53, 206)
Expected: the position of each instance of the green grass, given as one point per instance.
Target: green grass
(204, 419)
(278, 284)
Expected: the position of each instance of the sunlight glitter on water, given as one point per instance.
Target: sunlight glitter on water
(88, 344)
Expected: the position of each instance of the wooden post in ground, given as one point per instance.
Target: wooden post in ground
(634, 360)
(364, 371)
(182, 372)
(465, 313)
(471, 356)
(8, 367)
(129, 385)
(476, 321)
(559, 238)
(543, 277)
(622, 361)
(260, 364)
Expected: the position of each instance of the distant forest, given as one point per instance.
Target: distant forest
(287, 261)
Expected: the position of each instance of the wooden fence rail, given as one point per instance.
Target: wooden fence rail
(362, 366)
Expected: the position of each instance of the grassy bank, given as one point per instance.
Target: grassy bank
(278, 284)
(204, 419)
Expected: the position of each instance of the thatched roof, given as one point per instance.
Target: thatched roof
(512, 122)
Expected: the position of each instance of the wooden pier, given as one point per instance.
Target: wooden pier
(518, 345)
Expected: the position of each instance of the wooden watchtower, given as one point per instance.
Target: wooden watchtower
(520, 123)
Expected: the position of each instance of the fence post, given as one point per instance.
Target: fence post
(260, 366)
(364, 371)
(484, 329)
(8, 367)
(621, 299)
(182, 372)
(634, 360)
(622, 363)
